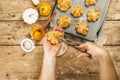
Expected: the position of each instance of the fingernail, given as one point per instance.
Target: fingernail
(90, 57)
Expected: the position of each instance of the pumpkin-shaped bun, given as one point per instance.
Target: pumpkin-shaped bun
(64, 5)
(90, 2)
(64, 21)
(44, 9)
(77, 11)
(82, 28)
(93, 15)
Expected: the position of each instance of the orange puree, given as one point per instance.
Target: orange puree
(36, 34)
(44, 9)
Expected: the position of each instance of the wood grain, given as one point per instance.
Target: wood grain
(18, 64)
(12, 32)
(113, 11)
(15, 8)
(112, 33)
(35, 75)
(14, 59)
(109, 34)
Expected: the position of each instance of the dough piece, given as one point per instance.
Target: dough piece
(82, 28)
(64, 21)
(90, 2)
(77, 11)
(64, 5)
(93, 14)
(52, 37)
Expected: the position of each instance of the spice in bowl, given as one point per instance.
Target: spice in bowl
(36, 33)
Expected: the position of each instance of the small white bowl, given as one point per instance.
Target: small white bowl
(27, 45)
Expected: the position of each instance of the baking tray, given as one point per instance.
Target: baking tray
(94, 27)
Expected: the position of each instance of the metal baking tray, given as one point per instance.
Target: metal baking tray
(94, 27)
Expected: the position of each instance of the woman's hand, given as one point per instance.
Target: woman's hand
(93, 49)
(49, 49)
(107, 70)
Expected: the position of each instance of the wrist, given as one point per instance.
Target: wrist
(50, 54)
(49, 60)
(105, 57)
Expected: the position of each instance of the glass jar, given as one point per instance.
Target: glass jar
(36, 33)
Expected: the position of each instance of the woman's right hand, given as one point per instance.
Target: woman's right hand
(49, 49)
(93, 49)
(107, 70)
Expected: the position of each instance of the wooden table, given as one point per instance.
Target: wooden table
(18, 65)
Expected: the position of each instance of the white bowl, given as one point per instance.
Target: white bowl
(27, 45)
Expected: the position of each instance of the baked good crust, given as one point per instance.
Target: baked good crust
(93, 15)
(64, 5)
(90, 2)
(64, 21)
(82, 28)
(77, 10)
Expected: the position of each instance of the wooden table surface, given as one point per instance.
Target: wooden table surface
(18, 65)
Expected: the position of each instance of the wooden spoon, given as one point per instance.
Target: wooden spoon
(46, 23)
